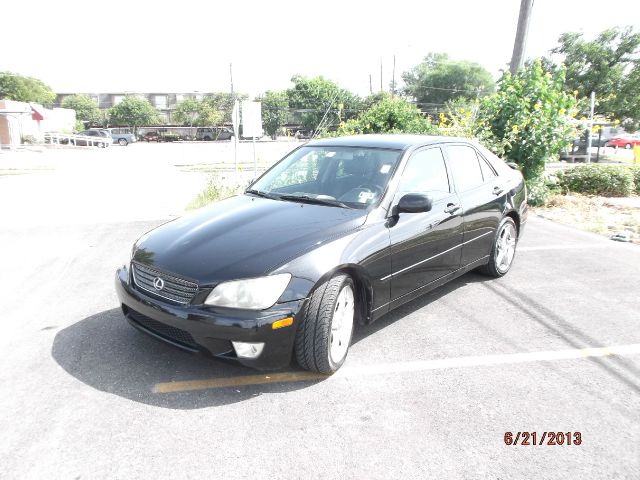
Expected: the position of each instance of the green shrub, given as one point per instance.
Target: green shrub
(537, 192)
(216, 190)
(605, 180)
(635, 171)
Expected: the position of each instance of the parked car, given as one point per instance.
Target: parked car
(121, 136)
(339, 231)
(151, 137)
(213, 133)
(98, 138)
(626, 141)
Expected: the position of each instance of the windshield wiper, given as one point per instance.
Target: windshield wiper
(318, 201)
(260, 193)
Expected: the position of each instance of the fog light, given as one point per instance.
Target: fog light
(248, 350)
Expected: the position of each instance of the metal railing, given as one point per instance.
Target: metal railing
(76, 140)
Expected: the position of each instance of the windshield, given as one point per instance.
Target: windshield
(352, 176)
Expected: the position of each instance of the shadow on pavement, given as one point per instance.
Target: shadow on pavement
(106, 353)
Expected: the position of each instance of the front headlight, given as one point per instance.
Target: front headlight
(252, 293)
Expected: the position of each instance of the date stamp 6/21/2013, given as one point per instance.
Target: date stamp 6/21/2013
(544, 438)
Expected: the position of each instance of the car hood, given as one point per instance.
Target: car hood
(242, 237)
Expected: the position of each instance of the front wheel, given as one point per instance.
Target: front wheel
(324, 335)
(123, 142)
(503, 250)
(627, 146)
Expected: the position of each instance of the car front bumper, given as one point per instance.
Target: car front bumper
(210, 330)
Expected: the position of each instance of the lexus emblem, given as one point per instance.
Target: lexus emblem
(158, 283)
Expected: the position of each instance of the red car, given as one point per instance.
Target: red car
(626, 141)
(151, 137)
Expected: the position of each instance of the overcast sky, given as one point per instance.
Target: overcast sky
(116, 45)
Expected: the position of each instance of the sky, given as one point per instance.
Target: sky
(160, 46)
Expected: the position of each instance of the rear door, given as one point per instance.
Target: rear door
(481, 197)
(425, 246)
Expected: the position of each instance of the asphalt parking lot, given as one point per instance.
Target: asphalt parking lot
(428, 391)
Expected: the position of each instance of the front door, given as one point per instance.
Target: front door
(425, 246)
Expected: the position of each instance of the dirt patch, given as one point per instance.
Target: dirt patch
(606, 216)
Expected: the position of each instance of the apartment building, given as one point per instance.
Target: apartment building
(164, 102)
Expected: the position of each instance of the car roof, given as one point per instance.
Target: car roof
(391, 141)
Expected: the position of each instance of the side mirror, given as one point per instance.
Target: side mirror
(413, 203)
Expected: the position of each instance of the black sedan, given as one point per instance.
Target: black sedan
(339, 231)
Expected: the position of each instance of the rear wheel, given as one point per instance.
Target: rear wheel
(627, 146)
(324, 335)
(503, 250)
(123, 142)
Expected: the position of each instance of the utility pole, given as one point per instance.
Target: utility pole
(370, 86)
(593, 104)
(234, 120)
(380, 73)
(517, 58)
(393, 78)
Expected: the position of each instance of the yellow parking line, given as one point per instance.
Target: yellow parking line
(189, 385)
(401, 367)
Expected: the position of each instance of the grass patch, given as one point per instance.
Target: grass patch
(601, 215)
(217, 189)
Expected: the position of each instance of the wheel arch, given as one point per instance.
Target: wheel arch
(362, 284)
(516, 219)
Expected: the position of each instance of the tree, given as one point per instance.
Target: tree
(437, 80)
(25, 89)
(607, 65)
(223, 104)
(315, 97)
(186, 111)
(134, 112)
(274, 111)
(527, 120)
(389, 115)
(86, 108)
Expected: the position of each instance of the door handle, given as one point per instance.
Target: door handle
(497, 190)
(452, 208)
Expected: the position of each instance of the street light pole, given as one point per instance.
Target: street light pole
(517, 58)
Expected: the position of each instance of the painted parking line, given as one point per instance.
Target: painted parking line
(284, 377)
(567, 246)
(399, 367)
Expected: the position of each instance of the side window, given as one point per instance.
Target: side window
(487, 171)
(426, 172)
(465, 166)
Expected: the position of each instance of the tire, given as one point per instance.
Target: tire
(323, 338)
(207, 138)
(123, 142)
(499, 262)
(627, 146)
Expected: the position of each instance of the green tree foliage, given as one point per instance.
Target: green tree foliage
(25, 89)
(86, 109)
(186, 112)
(218, 107)
(312, 97)
(389, 115)
(608, 65)
(527, 119)
(274, 111)
(134, 112)
(438, 79)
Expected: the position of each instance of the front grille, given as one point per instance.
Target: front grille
(175, 288)
(165, 331)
